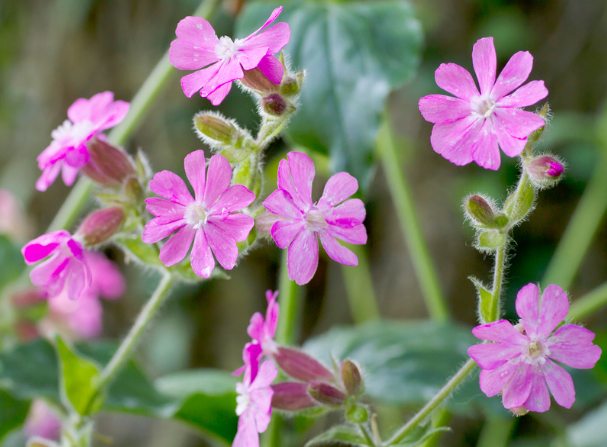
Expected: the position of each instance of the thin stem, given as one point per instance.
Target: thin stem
(359, 287)
(435, 402)
(496, 432)
(589, 303)
(288, 298)
(580, 231)
(498, 278)
(366, 434)
(410, 226)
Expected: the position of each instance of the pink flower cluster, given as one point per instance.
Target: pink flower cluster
(470, 126)
(221, 61)
(68, 152)
(519, 363)
(209, 219)
(299, 221)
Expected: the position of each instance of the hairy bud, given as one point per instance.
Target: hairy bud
(301, 366)
(545, 171)
(482, 212)
(275, 105)
(257, 81)
(291, 85)
(101, 225)
(291, 396)
(109, 165)
(351, 377)
(223, 135)
(326, 394)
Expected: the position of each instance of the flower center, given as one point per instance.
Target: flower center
(78, 132)
(227, 48)
(536, 352)
(315, 220)
(242, 403)
(195, 215)
(483, 106)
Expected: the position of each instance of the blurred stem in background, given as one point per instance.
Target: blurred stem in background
(359, 287)
(496, 431)
(410, 226)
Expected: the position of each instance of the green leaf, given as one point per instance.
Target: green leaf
(79, 378)
(341, 434)
(354, 54)
(485, 300)
(11, 261)
(208, 401)
(139, 250)
(12, 413)
(419, 436)
(517, 210)
(490, 240)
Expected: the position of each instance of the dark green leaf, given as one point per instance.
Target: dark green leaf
(342, 434)
(11, 261)
(354, 54)
(12, 413)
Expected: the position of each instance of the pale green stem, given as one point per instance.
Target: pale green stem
(366, 434)
(410, 226)
(439, 419)
(589, 303)
(498, 278)
(444, 393)
(359, 287)
(496, 432)
(580, 231)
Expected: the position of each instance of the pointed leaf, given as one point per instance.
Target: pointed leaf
(342, 435)
(12, 413)
(485, 301)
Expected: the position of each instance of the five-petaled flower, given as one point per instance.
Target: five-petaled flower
(68, 152)
(470, 126)
(519, 363)
(254, 401)
(221, 61)
(209, 218)
(300, 220)
(67, 266)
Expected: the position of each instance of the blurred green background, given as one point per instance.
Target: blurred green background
(55, 51)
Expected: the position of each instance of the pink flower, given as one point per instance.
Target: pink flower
(208, 219)
(84, 318)
(68, 153)
(301, 220)
(254, 402)
(42, 422)
(470, 126)
(519, 363)
(66, 267)
(223, 60)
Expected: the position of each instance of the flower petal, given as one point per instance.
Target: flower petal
(560, 384)
(553, 309)
(539, 398)
(155, 230)
(219, 177)
(500, 331)
(195, 166)
(528, 308)
(229, 70)
(274, 39)
(284, 231)
(234, 198)
(270, 20)
(493, 381)
(455, 141)
(337, 252)
(170, 186)
(572, 345)
(518, 389)
(485, 151)
(69, 174)
(197, 80)
(256, 329)
(187, 56)
(440, 109)
(250, 58)
(349, 214)
(48, 176)
(247, 435)
(525, 96)
(177, 247)
(485, 63)
(49, 272)
(512, 146)
(302, 257)
(302, 173)
(237, 226)
(201, 257)
(223, 246)
(197, 31)
(44, 245)
(217, 96)
(272, 69)
(338, 188)
(513, 75)
(493, 355)
(112, 115)
(456, 80)
(163, 207)
(356, 235)
(79, 277)
(519, 123)
(281, 203)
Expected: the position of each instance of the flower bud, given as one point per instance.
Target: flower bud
(536, 135)
(291, 86)
(301, 366)
(326, 394)
(275, 105)
(519, 411)
(291, 396)
(99, 226)
(215, 127)
(351, 377)
(223, 135)
(482, 212)
(357, 414)
(109, 166)
(257, 81)
(545, 171)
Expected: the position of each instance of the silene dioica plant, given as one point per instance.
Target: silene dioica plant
(199, 229)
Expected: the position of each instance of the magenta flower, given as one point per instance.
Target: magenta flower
(470, 126)
(65, 268)
(222, 60)
(68, 153)
(519, 363)
(42, 422)
(208, 219)
(254, 402)
(301, 220)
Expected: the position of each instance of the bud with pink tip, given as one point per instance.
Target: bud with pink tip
(351, 377)
(301, 366)
(291, 396)
(101, 225)
(109, 165)
(326, 394)
(545, 171)
(275, 105)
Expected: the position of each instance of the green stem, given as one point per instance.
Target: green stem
(496, 432)
(407, 214)
(288, 298)
(580, 231)
(359, 287)
(444, 393)
(589, 303)
(366, 434)
(498, 279)
(440, 419)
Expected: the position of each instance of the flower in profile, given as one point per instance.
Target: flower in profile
(470, 126)
(66, 266)
(520, 361)
(208, 219)
(254, 401)
(221, 61)
(68, 152)
(300, 220)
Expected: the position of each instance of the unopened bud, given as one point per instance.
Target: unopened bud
(109, 165)
(291, 86)
(101, 225)
(519, 411)
(224, 136)
(274, 105)
(482, 212)
(301, 366)
(357, 414)
(326, 394)
(291, 396)
(545, 171)
(351, 377)
(536, 135)
(256, 80)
